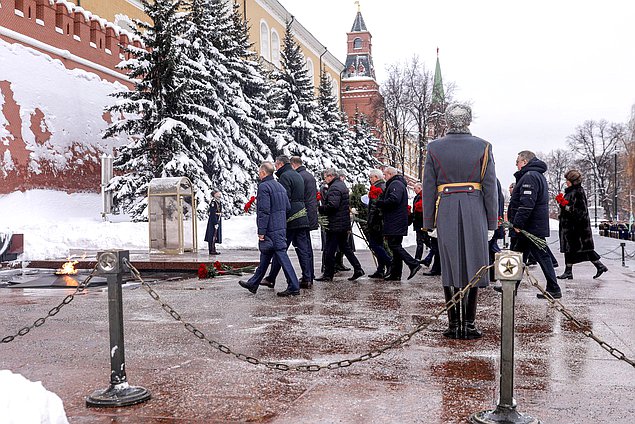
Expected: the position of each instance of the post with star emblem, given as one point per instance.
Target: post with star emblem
(509, 270)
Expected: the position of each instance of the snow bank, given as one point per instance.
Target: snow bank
(27, 402)
(55, 223)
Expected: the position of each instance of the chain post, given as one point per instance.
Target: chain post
(623, 245)
(112, 264)
(509, 270)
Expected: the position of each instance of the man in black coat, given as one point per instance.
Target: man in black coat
(272, 208)
(375, 224)
(297, 221)
(394, 205)
(529, 210)
(310, 202)
(336, 207)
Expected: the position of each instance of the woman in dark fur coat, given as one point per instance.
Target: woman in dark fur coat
(576, 239)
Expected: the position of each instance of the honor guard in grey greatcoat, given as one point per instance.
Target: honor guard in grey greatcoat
(460, 199)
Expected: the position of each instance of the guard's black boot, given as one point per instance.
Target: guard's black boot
(469, 303)
(454, 329)
(600, 267)
(567, 274)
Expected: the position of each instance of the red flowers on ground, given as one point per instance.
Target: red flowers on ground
(374, 192)
(219, 268)
(561, 200)
(202, 271)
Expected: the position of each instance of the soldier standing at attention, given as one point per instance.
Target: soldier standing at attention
(460, 199)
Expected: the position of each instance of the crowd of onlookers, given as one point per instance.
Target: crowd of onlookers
(618, 230)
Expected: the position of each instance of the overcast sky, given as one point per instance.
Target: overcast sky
(533, 71)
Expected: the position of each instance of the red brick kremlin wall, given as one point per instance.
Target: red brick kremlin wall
(79, 40)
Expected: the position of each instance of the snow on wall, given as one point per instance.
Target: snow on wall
(54, 119)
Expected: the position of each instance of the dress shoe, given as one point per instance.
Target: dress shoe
(288, 292)
(426, 261)
(430, 273)
(555, 295)
(358, 273)
(324, 278)
(392, 278)
(306, 284)
(267, 283)
(339, 268)
(214, 253)
(376, 274)
(414, 270)
(251, 287)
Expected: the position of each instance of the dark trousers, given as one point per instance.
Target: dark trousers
(335, 239)
(421, 242)
(376, 244)
(299, 237)
(399, 256)
(434, 251)
(281, 257)
(543, 257)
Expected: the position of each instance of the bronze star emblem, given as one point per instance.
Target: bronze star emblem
(509, 267)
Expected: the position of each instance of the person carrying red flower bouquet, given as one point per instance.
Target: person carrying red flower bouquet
(574, 229)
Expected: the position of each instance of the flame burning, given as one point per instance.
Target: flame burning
(68, 268)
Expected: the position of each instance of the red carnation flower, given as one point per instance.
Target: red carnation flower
(202, 271)
(248, 205)
(217, 266)
(419, 206)
(374, 192)
(318, 196)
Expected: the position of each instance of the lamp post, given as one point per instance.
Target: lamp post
(615, 186)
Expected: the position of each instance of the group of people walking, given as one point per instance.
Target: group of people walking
(457, 212)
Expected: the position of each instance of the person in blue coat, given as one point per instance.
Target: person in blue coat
(297, 222)
(272, 207)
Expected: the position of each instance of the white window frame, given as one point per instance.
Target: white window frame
(310, 71)
(264, 40)
(275, 47)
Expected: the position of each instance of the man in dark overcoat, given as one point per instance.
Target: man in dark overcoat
(214, 230)
(272, 208)
(394, 206)
(336, 207)
(460, 199)
(375, 224)
(529, 210)
(310, 203)
(297, 221)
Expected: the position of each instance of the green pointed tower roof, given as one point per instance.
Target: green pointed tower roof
(438, 95)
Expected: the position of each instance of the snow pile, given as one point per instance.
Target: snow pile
(45, 95)
(27, 402)
(55, 223)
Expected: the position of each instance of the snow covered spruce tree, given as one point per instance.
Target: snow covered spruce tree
(337, 145)
(164, 118)
(234, 148)
(235, 164)
(293, 105)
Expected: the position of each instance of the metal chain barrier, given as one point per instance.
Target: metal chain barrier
(610, 251)
(40, 321)
(281, 366)
(584, 328)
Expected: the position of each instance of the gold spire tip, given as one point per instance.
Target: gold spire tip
(359, 8)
